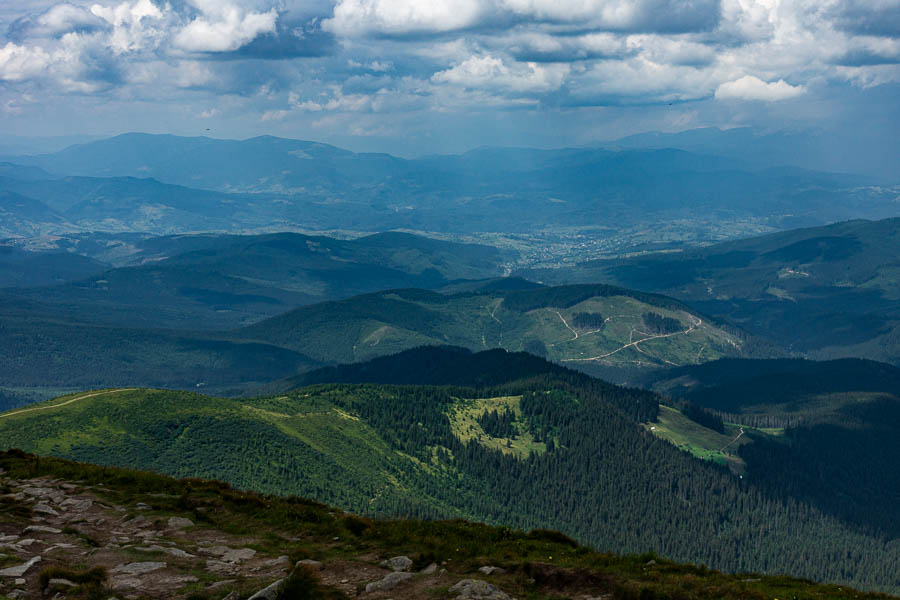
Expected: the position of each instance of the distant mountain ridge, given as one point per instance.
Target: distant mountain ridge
(268, 182)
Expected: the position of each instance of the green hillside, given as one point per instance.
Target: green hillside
(341, 553)
(836, 423)
(597, 329)
(554, 450)
(586, 327)
(827, 292)
(43, 350)
(214, 281)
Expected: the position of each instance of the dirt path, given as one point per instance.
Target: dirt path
(736, 438)
(566, 323)
(76, 399)
(695, 323)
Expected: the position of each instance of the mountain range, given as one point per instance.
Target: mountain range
(167, 184)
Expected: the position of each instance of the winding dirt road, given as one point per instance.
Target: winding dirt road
(67, 402)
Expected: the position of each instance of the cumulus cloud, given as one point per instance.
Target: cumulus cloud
(749, 87)
(21, 62)
(488, 71)
(223, 27)
(404, 17)
(56, 21)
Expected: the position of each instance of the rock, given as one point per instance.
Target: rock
(142, 506)
(650, 562)
(232, 596)
(268, 593)
(487, 570)
(241, 554)
(60, 583)
(21, 569)
(180, 523)
(40, 529)
(276, 562)
(398, 563)
(139, 521)
(44, 509)
(390, 581)
(217, 566)
(77, 504)
(16, 594)
(429, 569)
(475, 589)
(138, 568)
(20, 581)
(172, 551)
(218, 584)
(215, 550)
(312, 564)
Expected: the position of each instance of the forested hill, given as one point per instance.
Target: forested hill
(545, 451)
(447, 365)
(828, 292)
(587, 327)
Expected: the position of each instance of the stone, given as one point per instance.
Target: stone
(45, 509)
(179, 523)
(142, 506)
(232, 596)
(138, 568)
(57, 582)
(268, 593)
(77, 504)
(429, 569)
(312, 564)
(171, 551)
(239, 555)
(277, 562)
(20, 570)
(390, 581)
(475, 589)
(488, 570)
(398, 563)
(218, 584)
(40, 529)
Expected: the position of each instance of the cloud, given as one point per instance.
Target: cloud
(56, 21)
(749, 87)
(21, 62)
(290, 39)
(414, 17)
(867, 17)
(224, 27)
(490, 72)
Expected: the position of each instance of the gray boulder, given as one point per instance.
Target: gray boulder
(475, 589)
(398, 563)
(390, 581)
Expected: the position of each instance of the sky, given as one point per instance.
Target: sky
(415, 77)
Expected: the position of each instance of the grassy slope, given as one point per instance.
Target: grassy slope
(540, 565)
(378, 324)
(301, 443)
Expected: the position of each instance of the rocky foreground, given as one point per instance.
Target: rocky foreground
(80, 531)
